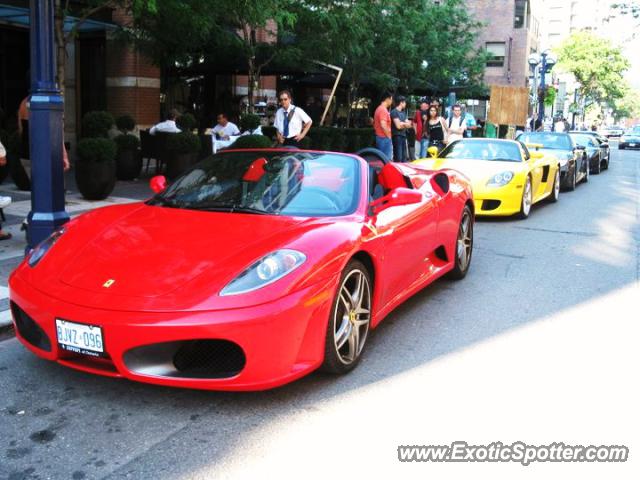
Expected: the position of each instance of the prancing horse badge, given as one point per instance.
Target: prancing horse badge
(108, 283)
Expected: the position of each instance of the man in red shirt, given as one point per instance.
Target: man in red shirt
(382, 125)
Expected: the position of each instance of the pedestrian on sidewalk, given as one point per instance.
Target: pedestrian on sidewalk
(4, 201)
(382, 125)
(421, 127)
(292, 123)
(399, 126)
(437, 129)
(457, 124)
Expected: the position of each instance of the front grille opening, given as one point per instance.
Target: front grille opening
(490, 204)
(209, 359)
(29, 329)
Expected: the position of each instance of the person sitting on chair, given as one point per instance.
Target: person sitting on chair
(168, 126)
(225, 129)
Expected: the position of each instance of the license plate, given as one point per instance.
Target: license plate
(80, 338)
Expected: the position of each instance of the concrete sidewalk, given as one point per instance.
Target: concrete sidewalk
(12, 251)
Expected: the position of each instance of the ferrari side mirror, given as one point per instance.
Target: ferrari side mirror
(397, 197)
(432, 151)
(158, 183)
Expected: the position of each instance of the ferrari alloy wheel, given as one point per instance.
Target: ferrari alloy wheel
(350, 319)
(555, 193)
(464, 245)
(527, 200)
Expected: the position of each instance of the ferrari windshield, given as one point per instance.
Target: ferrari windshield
(288, 183)
(494, 150)
(552, 141)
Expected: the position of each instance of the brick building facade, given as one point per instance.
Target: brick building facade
(510, 33)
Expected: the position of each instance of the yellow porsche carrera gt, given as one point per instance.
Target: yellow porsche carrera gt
(507, 178)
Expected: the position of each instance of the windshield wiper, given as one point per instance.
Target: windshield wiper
(230, 209)
(162, 202)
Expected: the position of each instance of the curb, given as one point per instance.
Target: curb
(5, 319)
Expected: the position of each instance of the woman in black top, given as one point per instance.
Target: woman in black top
(437, 129)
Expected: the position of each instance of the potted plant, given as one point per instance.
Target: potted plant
(249, 122)
(252, 141)
(96, 167)
(125, 123)
(183, 149)
(186, 122)
(97, 124)
(128, 160)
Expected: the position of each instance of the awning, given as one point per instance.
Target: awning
(17, 16)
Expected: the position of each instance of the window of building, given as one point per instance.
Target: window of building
(520, 13)
(497, 52)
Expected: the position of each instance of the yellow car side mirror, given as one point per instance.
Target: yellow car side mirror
(536, 155)
(432, 151)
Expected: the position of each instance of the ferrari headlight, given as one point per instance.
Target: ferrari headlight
(265, 271)
(500, 180)
(43, 247)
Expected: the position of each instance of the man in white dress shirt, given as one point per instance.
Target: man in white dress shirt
(456, 124)
(292, 123)
(225, 129)
(168, 126)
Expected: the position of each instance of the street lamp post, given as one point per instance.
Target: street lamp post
(45, 129)
(546, 62)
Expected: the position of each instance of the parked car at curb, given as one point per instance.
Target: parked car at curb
(592, 150)
(507, 179)
(250, 270)
(604, 145)
(574, 165)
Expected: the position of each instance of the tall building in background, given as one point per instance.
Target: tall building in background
(510, 33)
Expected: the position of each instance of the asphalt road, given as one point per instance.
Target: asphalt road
(539, 344)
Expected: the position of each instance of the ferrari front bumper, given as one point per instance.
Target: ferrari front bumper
(280, 341)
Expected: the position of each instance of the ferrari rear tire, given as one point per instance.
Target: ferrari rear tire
(527, 200)
(464, 246)
(555, 193)
(348, 326)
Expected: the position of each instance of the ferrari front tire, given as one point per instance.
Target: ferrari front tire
(527, 200)
(464, 246)
(348, 326)
(587, 172)
(555, 193)
(598, 168)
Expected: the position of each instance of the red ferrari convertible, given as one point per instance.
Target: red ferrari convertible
(251, 270)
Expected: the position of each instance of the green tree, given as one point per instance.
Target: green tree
(597, 65)
(628, 106)
(392, 44)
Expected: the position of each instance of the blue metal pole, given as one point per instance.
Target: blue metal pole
(543, 74)
(45, 129)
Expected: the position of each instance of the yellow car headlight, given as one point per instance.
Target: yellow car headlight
(500, 179)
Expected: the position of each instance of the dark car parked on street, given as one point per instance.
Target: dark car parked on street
(574, 164)
(605, 148)
(592, 150)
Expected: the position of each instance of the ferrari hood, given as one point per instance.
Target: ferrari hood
(152, 251)
(478, 171)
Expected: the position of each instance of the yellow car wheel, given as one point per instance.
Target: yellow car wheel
(555, 193)
(527, 200)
